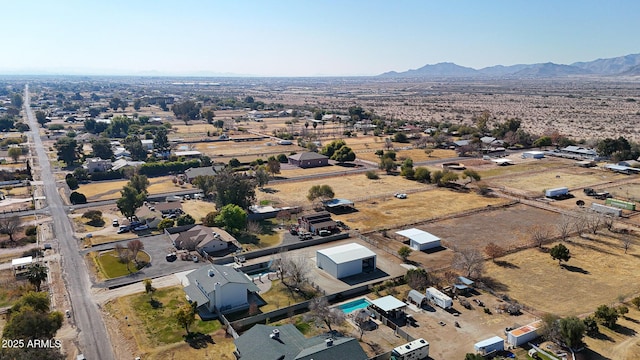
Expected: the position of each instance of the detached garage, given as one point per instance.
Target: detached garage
(346, 260)
(420, 240)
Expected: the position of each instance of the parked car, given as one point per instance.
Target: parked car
(141, 228)
(293, 230)
(123, 229)
(115, 222)
(400, 195)
(187, 197)
(324, 232)
(305, 236)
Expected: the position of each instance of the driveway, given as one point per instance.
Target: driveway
(157, 247)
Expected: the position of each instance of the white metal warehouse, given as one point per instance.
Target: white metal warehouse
(420, 240)
(346, 260)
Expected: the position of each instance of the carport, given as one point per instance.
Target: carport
(391, 306)
(420, 240)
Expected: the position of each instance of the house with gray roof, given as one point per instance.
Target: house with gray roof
(263, 342)
(217, 287)
(192, 173)
(308, 160)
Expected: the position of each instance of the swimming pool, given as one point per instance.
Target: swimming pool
(354, 305)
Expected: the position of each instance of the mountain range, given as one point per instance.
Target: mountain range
(628, 65)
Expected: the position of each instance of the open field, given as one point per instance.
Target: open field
(597, 273)
(110, 190)
(629, 191)
(571, 177)
(198, 208)
(352, 187)
(152, 333)
(110, 266)
(389, 212)
(417, 155)
(619, 344)
(290, 171)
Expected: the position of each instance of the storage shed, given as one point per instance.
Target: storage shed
(533, 155)
(392, 307)
(420, 240)
(490, 345)
(346, 260)
(416, 297)
(524, 334)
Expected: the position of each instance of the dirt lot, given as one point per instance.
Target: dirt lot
(597, 273)
(109, 190)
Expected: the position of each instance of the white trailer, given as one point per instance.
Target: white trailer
(415, 350)
(434, 295)
(556, 192)
(608, 210)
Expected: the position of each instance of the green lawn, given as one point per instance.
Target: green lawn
(159, 322)
(111, 267)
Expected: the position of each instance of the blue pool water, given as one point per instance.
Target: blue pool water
(354, 305)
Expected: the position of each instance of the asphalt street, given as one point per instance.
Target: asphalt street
(94, 340)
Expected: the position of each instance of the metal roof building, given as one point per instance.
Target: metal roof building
(420, 240)
(346, 260)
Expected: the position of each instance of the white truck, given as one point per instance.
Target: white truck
(437, 297)
(561, 191)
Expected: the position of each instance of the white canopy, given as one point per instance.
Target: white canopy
(388, 303)
(22, 261)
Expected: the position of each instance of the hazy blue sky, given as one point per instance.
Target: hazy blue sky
(307, 38)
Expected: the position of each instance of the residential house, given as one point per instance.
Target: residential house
(192, 173)
(205, 240)
(188, 153)
(287, 342)
(122, 162)
(147, 144)
(219, 288)
(308, 160)
(97, 164)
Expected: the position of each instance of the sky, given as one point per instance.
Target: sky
(306, 37)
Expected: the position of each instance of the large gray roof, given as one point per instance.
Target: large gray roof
(257, 344)
(307, 156)
(208, 275)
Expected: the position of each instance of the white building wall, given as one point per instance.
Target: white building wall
(349, 268)
(326, 264)
(231, 295)
(427, 246)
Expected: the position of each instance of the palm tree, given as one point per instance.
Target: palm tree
(37, 274)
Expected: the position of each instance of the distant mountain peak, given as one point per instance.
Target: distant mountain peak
(628, 65)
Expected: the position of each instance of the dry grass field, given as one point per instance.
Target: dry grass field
(198, 208)
(541, 178)
(629, 191)
(388, 212)
(109, 190)
(417, 155)
(598, 273)
(255, 149)
(290, 171)
(352, 187)
(619, 344)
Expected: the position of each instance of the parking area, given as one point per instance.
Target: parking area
(157, 246)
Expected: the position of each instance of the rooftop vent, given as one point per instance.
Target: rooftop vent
(211, 273)
(275, 334)
(329, 342)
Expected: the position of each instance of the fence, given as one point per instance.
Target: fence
(230, 330)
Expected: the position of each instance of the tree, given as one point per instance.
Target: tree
(494, 251)
(140, 183)
(294, 270)
(133, 144)
(166, 223)
(9, 226)
(322, 192)
(273, 166)
(469, 261)
(543, 142)
(321, 313)
(36, 274)
(594, 221)
(232, 217)
(187, 110)
(626, 242)
(77, 198)
(361, 319)
(41, 117)
(15, 153)
(591, 326)
(406, 169)
(148, 288)
(404, 252)
(422, 174)
(135, 246)
(607, 316)
(470, 174)
(209, 115)
(185, 219)
(129, 201)
(539, 235)
(68, 149)
(81, 174)
(400, 137)
(572, 331)
(417, 278)
(560, 253)
(30, 318)
(210, 219)
(161, 142)
(564, 227)
(16, 100)
(262, 176)
(102, 148)
(636, 302)
(387, 164)
(186, 316)
(551, 328)
(580, 224)
(233, 188)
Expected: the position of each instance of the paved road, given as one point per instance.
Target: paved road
(93, 336)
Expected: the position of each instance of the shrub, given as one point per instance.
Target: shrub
(283, 158)
(31, 230)
(372, 175)
(90, 214)
(77, 198)
(72, 182)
